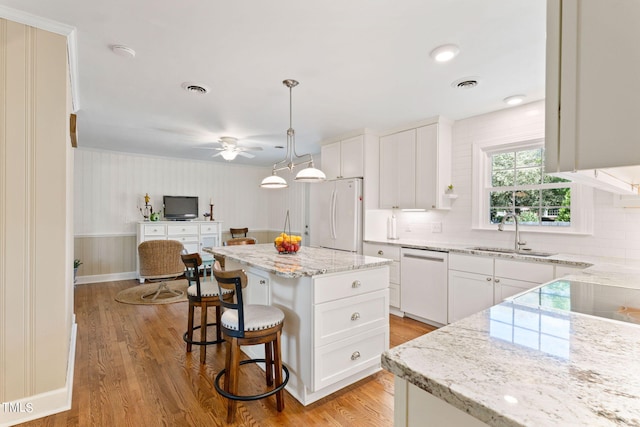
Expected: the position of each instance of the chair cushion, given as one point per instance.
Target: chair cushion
(256, 317)
(207, 289)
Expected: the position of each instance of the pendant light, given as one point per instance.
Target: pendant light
(292, 159)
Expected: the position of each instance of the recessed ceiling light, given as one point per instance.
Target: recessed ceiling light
(445, 52)
(195, 88)
(514, 100)
(123, 51)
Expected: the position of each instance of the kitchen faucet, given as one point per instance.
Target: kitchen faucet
(517, 243)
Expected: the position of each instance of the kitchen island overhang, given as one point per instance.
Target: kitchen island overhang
(336, 307)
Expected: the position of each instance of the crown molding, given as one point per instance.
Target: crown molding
(46, 24)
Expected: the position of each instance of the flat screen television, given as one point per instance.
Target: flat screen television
(180, 208)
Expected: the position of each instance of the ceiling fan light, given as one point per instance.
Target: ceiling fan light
(274, 181)
(310, 174)
(229, 155)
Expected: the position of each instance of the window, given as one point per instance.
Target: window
(518, 184)
(510, 178)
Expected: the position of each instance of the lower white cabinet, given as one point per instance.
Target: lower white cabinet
(476, 282)
(390, 252)
(194, 235)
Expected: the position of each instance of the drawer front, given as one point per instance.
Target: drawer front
(185, 239)
(338, 360)
(382, 251)
(527, 271)
(349, 317)
(154, 230)
(471, 263)
(209, 228)
(182, 230)
(343, 285)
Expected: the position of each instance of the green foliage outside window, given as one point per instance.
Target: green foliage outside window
(520, 185)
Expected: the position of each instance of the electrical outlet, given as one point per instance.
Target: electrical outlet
(436, 227)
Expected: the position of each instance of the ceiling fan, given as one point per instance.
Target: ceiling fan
(229, 149)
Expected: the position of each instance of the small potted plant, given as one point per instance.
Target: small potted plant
(449, 189)
(76, 263)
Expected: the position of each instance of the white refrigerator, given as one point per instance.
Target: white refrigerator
(336, 214)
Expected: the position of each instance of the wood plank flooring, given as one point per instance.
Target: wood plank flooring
(132, 369)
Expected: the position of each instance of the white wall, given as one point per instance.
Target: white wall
(110, 186)
(616, 230)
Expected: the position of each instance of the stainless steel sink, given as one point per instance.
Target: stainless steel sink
(526, 252)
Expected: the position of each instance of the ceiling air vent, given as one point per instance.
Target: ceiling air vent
(195, 88)
(466, 83)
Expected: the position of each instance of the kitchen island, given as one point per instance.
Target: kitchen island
(336, 307)
(525, 363)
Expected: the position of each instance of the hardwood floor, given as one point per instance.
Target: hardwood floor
(132, 370)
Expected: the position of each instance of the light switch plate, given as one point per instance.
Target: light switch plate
(436, 227)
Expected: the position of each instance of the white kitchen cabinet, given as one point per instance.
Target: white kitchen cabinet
(469, 292)
(344, 159)
(194, 235)
(354, 155)
(476, 282)
(390, 252)
(415, 166)
(257, 290)
(398, 170)
(592, 69)
(424, 284)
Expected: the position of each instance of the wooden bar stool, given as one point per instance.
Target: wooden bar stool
(248, 325)
(203, 295)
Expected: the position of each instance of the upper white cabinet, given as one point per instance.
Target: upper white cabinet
(344, 159)
(593, 64)
(415, 166)
(354, 155)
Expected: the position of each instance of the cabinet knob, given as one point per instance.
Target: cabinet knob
(355, 355)
(356, 284)
(380, 252)
(497, 280)
(355, 316)
(488, 279)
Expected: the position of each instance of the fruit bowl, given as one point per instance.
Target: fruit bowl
(287, 244)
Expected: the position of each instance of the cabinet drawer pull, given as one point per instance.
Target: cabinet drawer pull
(356, 284)
(497, 280)
(355, 355)
(488, 279)
(380, 252)
(355, 316)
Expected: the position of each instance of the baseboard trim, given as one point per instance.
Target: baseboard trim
(112, 277)
(43, 404)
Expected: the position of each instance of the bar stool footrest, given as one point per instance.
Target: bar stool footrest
(188, 341)
(219, 389)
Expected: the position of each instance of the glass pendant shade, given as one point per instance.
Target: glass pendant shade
(310, 174)
(274, 181)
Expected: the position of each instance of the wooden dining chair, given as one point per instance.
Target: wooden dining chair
(249, 325)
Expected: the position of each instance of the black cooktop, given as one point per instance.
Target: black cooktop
(612, 302)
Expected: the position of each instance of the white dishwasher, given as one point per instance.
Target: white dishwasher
(424, 284)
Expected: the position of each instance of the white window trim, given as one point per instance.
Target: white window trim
(581, 195)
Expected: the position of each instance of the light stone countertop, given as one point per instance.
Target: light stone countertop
(307, 262)
(561, 368)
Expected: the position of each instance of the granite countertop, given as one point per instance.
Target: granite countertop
(518, 365)
(307, 262)
(466, 248)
